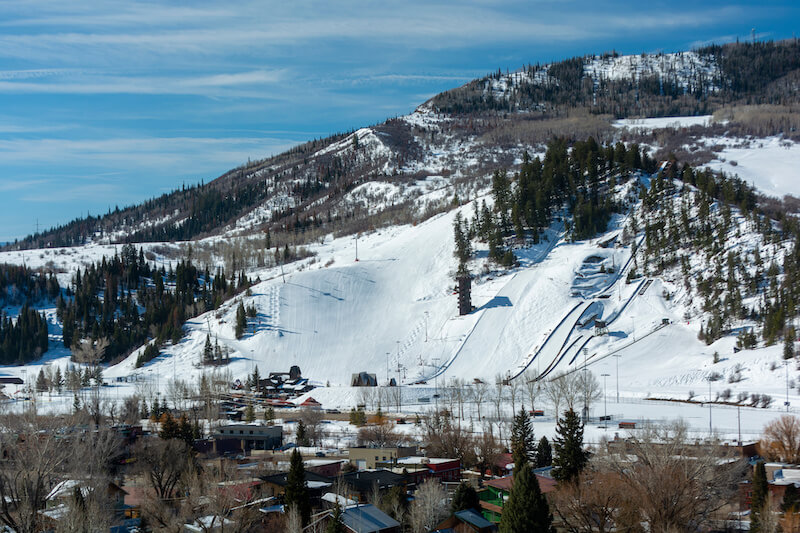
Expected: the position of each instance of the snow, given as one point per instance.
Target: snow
(393, 313)
(768, 164)
(646, 125)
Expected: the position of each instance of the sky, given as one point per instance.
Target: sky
(109, 103)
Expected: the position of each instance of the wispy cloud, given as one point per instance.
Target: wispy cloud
(225, 84)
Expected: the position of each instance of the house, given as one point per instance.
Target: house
(360, 485)
(363, 457)
(369, 519)
(249, 437)
(311, 403)
(325, 467)
(496, 492)
(418, 469)
(467, 521)
(363, 379)
(275, 485)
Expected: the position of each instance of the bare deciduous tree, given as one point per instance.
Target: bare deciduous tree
(479, 391)
(380, 435)
(445, 437)
(35, 460)
(429, 507)
(312, 418)
(781, 440)
(532, 386)
(672, 485)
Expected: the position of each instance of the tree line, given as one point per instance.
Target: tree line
(577, 177)
(116, 305)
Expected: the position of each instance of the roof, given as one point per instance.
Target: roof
(367, 519)
(505, 483)
(415, 460)
(313, 480)
(365, 479)
(471, 517)
(204, 523)
(311, 401)
(330, 497)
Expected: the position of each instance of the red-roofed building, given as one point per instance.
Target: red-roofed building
(311, 403)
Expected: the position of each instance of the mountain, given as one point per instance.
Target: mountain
(578, 206)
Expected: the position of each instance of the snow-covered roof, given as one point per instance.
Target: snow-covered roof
(204, 523)
(416, 460)
(330, 497)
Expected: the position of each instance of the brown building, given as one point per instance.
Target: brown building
(364, 458)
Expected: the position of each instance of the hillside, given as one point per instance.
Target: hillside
(617, 221)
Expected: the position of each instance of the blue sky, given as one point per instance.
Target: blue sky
(106, 103)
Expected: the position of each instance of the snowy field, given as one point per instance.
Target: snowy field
(770, 165)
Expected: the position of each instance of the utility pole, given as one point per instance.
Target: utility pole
(605, 401)
(435, 381)
(387, 368)
(356, 247)
(617, 356)
(786, 366)
(710, 429)
(739, 421)
(585, 389)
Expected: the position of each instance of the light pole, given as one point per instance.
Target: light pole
(436, 382)
(710, 429)
(585, 389)
(605, 401)
(786, 366)
(387, 367)
(633, 327)
(617, 356)
(426, 326)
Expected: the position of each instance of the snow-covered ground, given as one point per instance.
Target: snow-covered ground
(645, 125)
(770, 165)
(393, 313)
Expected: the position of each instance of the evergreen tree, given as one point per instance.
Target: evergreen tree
(241, 321)
(544, 453)
(788, 344)
(791, 499)
(523, 445)
(41, 382)
(465, 497)
(76, 404)
(185, 430)
(269, 415)
(335, 525)
(169, 428)
(527, 508)
(256, 378)
(208, 351)
(570, 457)
(58, 380)
(296, 493)
(758, 500)
(249, 413)
(302, 436)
